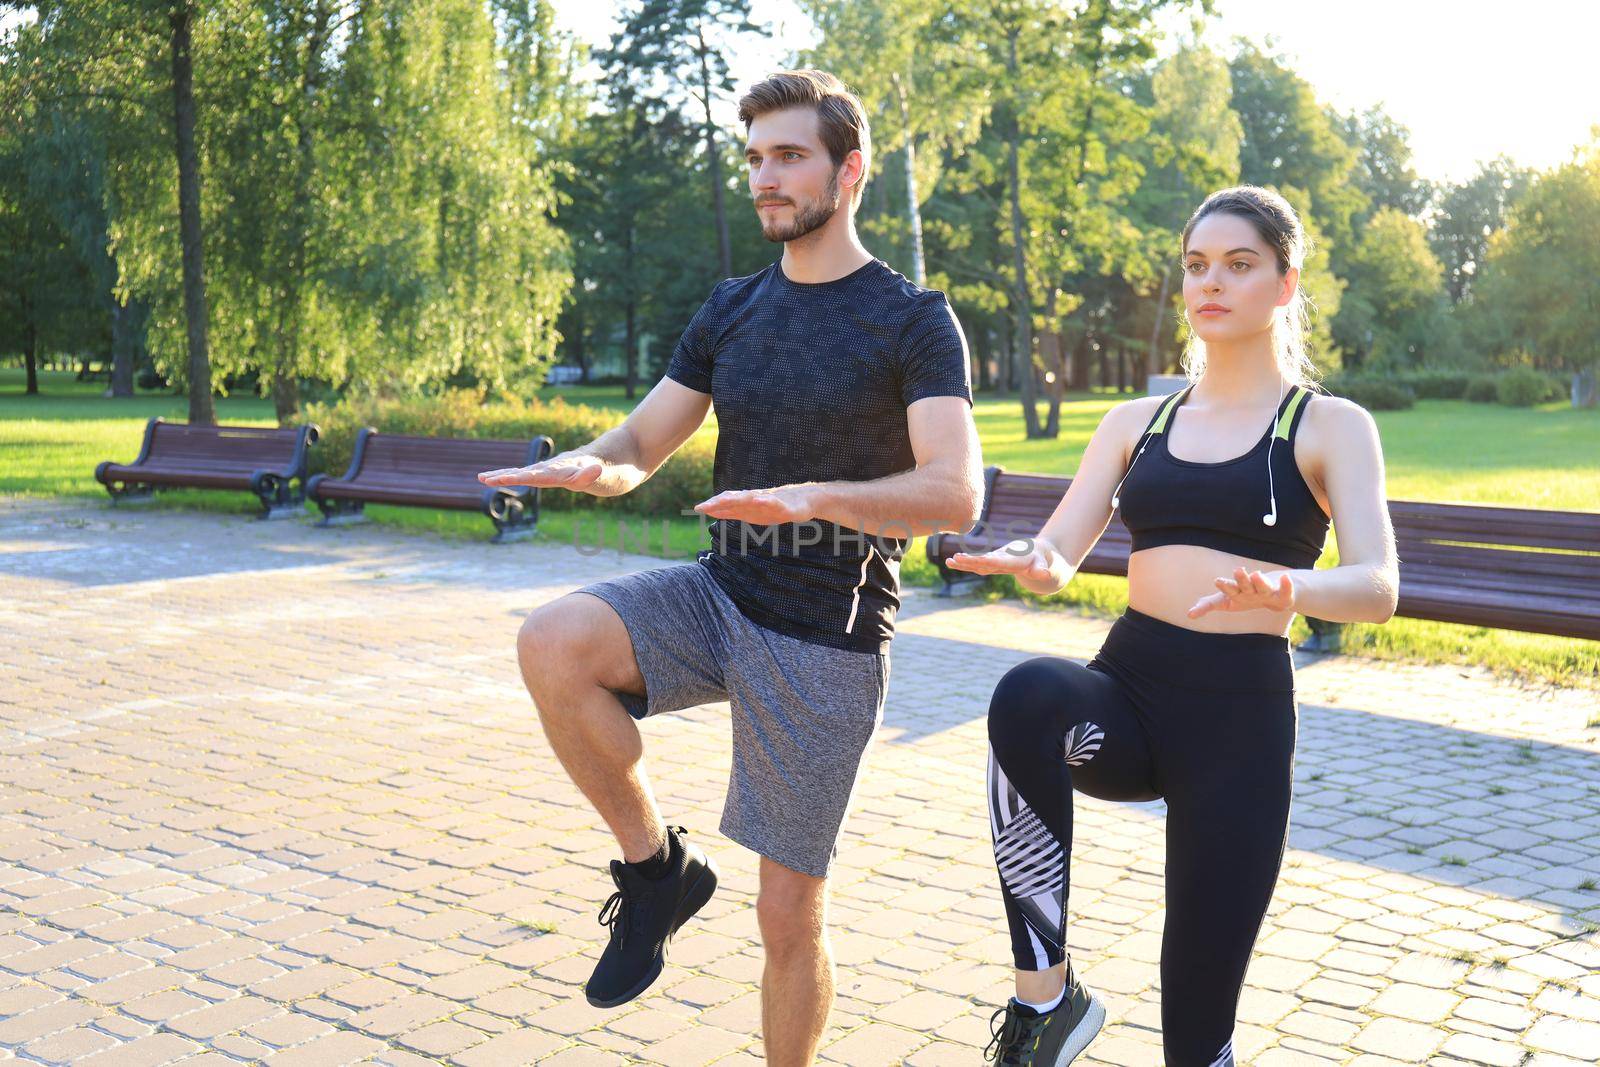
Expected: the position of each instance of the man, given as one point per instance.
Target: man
(843, 405)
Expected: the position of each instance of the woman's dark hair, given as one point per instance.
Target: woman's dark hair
(1275, 221)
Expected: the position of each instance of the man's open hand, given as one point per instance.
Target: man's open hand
(763, 507)
(570, 470)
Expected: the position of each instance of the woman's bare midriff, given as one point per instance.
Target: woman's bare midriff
(1166, 582)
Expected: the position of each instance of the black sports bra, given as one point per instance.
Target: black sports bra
(1169, 501)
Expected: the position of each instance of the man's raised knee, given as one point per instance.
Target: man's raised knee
(552, 646)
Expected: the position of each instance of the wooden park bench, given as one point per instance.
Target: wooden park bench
(1016, 505)
(433, 472)
(1522, 569)
(269, 462)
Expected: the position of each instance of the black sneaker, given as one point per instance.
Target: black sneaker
(1025, 1038)
(643, 915)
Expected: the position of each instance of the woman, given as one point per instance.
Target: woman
(1191, 698)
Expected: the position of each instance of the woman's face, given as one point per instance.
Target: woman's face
(1231, 283)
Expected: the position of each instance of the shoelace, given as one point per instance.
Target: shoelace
(618, 911)
(1005, 1029)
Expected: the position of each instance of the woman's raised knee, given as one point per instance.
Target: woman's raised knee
(1029, 708)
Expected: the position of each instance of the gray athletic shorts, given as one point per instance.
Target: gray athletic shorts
(802, 713)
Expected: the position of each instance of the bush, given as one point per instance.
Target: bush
(683, 481)
(1374, 394)
(148, 377)
(1437, 384)
(1484, 389)
(1523, 387)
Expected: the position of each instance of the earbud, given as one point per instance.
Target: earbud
(1271, 517)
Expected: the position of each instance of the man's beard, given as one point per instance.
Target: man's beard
(807, 217)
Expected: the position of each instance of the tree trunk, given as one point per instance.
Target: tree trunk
(1080, 362)
(919, 267)
(1050, 351)
(201, 410)
(1021, 298)
(30, 351)
(1153, 362)
(630, 336)
(580, 349)
(714, 165)
(1584, 391)
(285, 373)
(124, 345)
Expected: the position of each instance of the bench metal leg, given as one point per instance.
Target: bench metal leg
(513, 520)
(1325, 636)
(124, 494)
(959, 583)
(280, 499)
(341, 512)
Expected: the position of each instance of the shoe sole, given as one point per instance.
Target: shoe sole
(705, 884)
(1086, 1030)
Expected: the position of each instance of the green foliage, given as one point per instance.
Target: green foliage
(683, 481)
(1541, 268)
(1292, 141)
(1436, 384)
(1372, 393)
(1522, 387)
(1395, 295)
(1383, 163)
(377, 191)
(1467, 215)
(1483, 389)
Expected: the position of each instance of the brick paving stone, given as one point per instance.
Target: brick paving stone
(68, 1046)
(183, 846)
(149, 1051)
(442, 1039)
(333, 1050)
(510, 1050)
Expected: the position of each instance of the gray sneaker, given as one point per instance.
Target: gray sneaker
(1023, 1038)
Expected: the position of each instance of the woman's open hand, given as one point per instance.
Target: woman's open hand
(1029, 559)
(1247, 591)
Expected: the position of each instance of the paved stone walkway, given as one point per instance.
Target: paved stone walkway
(274, 793)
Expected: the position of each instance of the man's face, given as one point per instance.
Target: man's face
(793, 180)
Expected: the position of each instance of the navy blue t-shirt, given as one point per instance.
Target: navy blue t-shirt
(810, 383)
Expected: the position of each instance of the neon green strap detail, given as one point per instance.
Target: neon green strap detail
(1288, 413)
(1160, 425)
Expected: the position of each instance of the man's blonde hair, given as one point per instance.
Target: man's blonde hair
(841, 118)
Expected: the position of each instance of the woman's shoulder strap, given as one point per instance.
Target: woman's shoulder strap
(1293, 410)
(1158, 421)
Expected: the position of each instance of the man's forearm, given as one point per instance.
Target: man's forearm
(933, 498)
(620, 453)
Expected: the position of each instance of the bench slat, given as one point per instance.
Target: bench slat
(1485, 577)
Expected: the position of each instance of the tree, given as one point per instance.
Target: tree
(1395, 294)
(127, 68)
(1383, 170)
(672, 54)
(1192, 151)
(56, 270)
(1541, 270)
(906, 72)
(1292, 141)
(1468, 214)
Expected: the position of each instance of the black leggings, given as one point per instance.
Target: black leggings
(1206, 721)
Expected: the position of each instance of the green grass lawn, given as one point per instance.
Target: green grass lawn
(1441, 450)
